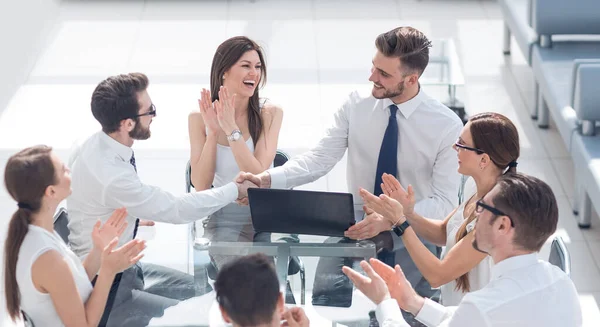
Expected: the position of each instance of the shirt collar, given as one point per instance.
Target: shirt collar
(513, 263)
(408, 107)
(122, 150)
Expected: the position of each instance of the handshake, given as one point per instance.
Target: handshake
(244, 181)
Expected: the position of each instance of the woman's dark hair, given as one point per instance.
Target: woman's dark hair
(498, 137)
(26, 177)
(227, 54)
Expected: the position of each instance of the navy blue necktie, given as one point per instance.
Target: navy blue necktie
(388, 163)
(137, 221)
(388, 154)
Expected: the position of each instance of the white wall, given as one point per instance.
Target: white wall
(24, 25)
(24, 28)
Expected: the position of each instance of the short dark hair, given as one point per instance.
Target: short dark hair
(248, 290)
(115, 99)
(531, 205)
(408, 44)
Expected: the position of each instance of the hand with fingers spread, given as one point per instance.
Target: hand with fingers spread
(225, 108)
(295, 317)
(114, 260)
(389, 208)
(398, 286)
(102, 235)
(373, 286)
(207, 110)
(392, 188)
(370, 226)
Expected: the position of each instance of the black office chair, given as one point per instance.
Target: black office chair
(61, 222)
(559, 255)
(61, 226)
(27, 322)
(295, 265)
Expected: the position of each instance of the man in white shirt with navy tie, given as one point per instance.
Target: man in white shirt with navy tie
(394, 128)
(104, 178)
(514, 220)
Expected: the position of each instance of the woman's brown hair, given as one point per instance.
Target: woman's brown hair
(26, 177)
(498, 137)
(227, 54)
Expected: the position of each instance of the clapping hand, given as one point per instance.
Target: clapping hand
(113, 227)
(225, 108)
(373, 286)
(207, 110)
(295, 317)
(392, 188)
(370, 226)
(389, 208)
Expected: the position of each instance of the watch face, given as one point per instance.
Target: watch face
(236, 135)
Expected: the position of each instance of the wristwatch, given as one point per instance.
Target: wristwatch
(399, 230)
(235, 135)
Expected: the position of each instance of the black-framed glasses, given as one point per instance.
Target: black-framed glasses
(151, 112)
(462, 146)
(480, 206)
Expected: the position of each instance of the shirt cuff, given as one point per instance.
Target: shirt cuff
(388, 310)
(278, 179)
(432, 313)
(230, 192)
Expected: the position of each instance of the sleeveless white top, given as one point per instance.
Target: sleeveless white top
(36, 304)
(226, 168)
(478, 276)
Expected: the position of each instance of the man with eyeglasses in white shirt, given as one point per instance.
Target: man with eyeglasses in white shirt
(514, 221)
(104, 178)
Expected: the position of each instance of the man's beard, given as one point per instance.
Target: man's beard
(139, 132)
(388, 94)
(476, 247)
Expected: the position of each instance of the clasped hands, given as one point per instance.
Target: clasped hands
(384, 211)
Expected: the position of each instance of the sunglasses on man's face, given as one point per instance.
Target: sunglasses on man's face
(151, 112)
(480, 206)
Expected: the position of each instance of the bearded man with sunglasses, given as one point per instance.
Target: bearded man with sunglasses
(104, 178)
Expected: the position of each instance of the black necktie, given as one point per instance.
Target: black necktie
(137, 221)
(388, 154)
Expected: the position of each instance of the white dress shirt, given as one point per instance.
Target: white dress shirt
(103, 180)
(427, 131)
(524, 292)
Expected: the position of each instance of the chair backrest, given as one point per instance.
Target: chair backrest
(559, 255)
(61, 221)
(280, 159)
(27, 322)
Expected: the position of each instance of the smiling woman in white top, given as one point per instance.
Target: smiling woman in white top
(43, 277)
(233, 132)
(487, 148)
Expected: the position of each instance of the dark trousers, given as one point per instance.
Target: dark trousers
(145, 291)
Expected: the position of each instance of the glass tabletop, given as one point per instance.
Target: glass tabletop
(300, 262)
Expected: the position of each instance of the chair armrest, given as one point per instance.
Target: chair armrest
(585, 98)
(553, 17)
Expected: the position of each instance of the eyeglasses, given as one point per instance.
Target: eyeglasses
(462, 146)
(480, 206)
(150, 112)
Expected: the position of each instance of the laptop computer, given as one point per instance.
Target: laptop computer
(301, 212)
